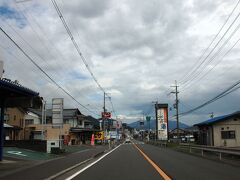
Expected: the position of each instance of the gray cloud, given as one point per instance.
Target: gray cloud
(135, 48)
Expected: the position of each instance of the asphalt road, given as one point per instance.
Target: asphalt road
(46, 169)
(179, 165)
(127, 163)
(133, 162)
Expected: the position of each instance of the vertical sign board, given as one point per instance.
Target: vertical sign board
(162, 121)
(57, 112)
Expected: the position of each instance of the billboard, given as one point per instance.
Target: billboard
(119, 124)
(99, 135)
(162, 121)
(106, 115)
(57, 112)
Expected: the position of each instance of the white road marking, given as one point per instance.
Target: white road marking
(66, 170)
(19, 153)
(88, 166)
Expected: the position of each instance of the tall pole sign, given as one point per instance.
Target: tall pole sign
(161, 121)
(57, 112)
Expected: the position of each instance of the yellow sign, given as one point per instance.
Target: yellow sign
(99, 135)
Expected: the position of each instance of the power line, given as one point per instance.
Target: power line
(75, 44)
(227, 91)
(205, 74)
(45, 73)
(31, 47)
(41, 41)
(189, 75)
(196, 75)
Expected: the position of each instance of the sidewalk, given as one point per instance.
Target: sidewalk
(12, 168)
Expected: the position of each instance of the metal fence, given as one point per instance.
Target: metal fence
(219, 150)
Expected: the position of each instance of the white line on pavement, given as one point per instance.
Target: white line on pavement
(66, 170)
(88, 166)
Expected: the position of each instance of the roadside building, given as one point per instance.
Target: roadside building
(15, 118)
(185, 135)
(82, 134)
(12, 94)
(220, 131)
(8, 132)
(22, 124)
(77, 128)
(30, 119)
(174, 133)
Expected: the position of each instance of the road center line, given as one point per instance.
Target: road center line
(88, 166)
(158, 169)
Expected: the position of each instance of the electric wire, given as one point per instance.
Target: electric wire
(41, 41)
(195, 76)
(227, 91)
(45, 73)
(215, 46)
(215, 37)
(76, 45)
(209, 70)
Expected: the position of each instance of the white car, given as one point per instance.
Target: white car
(127, 140)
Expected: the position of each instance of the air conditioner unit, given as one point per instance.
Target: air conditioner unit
(1, 69)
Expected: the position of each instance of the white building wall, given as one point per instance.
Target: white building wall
(75, 123)
(228, 125)
(30, 115)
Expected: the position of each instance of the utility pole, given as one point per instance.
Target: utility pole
(176, 106)
(103, 117)
(156, 128)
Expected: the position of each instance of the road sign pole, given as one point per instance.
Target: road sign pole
(1, 129)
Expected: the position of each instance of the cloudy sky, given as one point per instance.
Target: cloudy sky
(136, 50)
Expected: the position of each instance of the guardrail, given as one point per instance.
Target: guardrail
(219, 150)
(157, 143)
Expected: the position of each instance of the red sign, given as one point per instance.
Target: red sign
(106, 115)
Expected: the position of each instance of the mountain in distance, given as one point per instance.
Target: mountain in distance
(171, 124)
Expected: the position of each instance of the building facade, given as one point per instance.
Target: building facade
(28, 124)
(220, 131)
(14, 117)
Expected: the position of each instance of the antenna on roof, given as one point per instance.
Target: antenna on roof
(211, 115)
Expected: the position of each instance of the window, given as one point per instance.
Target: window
(28, 121)
(228, 134)
(14, 117)
(80, 123)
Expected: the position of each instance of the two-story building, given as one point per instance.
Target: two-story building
(77, 128)
(14, 123)
(28, 124)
